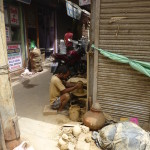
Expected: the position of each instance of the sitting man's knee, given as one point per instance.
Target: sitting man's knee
(65, 97)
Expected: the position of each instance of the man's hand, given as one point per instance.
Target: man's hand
(79, 85)
(69, 84)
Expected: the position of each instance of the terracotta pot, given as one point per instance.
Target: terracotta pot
(94, 119)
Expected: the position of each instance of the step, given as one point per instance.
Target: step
(48, 111)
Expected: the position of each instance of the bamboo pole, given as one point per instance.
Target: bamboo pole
(96, 42)
(87, 103)
(7, 106)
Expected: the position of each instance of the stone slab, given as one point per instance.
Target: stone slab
(39, 134)
(48, 111)
(82, 145)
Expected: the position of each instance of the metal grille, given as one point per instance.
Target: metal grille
(125, 30)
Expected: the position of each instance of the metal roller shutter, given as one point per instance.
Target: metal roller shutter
(124, 29)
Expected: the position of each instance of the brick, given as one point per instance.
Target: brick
(48, 111)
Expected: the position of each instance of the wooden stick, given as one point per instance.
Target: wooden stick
(2, 141)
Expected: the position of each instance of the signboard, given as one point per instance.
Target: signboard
(84, 2)
(73, 10)
(7, 34)
(14, 57)
(14, 15)
(25, 1)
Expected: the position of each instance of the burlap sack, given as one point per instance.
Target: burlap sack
(124, 136)
(36, 60)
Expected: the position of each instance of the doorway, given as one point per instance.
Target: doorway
(46, 22)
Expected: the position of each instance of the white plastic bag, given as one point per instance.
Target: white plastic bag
(24, 146)
(26, 73)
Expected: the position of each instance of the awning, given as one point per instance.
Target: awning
(74, 11)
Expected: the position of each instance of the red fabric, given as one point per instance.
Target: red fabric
(67, 36)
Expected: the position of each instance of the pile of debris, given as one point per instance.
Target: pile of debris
(78, 137)
(123, 135)
(101, 131)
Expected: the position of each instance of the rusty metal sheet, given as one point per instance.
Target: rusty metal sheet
(122, 91)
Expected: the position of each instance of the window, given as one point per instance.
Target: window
(12, 24)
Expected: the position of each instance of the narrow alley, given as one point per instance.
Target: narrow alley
(74, 74)
(31, 95)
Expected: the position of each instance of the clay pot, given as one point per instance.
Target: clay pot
(94, 119)
(74, 113)
(76, 130)
(80, 91)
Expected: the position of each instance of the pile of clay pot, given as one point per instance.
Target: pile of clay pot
(77, 137)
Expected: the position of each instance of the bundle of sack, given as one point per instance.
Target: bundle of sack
(124, 136)
(36, 60)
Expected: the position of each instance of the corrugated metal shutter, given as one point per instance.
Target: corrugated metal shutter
(122, 91)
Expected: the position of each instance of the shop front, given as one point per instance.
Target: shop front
(118, 85)
(45, 23)
(40, 25)
(14, 36)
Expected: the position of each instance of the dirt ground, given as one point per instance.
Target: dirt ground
(31, 94)
(41, 135)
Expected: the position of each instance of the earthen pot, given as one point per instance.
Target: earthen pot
(80, 91)
(74, 112)
(94, 119)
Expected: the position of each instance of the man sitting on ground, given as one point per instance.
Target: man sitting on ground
(59, 90)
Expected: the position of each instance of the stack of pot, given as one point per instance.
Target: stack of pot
(36, 60)
(69, 137)
(76, 111)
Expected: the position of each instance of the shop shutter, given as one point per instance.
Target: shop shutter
(124, 29)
